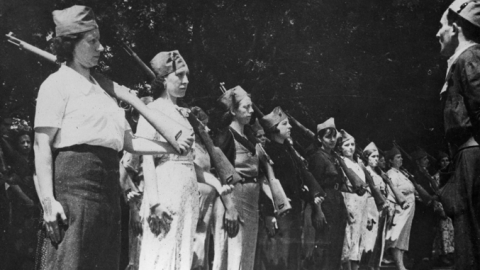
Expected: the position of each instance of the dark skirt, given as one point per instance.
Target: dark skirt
(86, 185)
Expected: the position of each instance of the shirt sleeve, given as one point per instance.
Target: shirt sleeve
(51, 103)
(472, 90)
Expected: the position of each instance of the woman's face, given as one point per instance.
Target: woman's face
(284, 129)
(24, 144)
(373, 160)
(397, 161)
(348, 148)
(329, 140)
(444, 162)
(176, 83)
(261, 137)
(87, 51)
(243, 113)
(382, 163)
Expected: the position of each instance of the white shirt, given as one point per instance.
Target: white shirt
(83, 111)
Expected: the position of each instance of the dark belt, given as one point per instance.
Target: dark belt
(249, 180)
(84, 148)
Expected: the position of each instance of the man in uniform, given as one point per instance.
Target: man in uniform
(459, 36)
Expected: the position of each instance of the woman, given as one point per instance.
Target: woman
(170, 181)
(444, 245)
(79, 130)
(238, 251)
(356, 229)
(209, 187)
(24, 200)
(398, 232)
(375, 238)
(330, 234)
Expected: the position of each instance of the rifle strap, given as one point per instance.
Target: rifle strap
(243, 141)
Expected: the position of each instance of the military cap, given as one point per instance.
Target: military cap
(273, 118)
(257, 128)
(73, 20)
(441, 155)
(371, 147)
(330, 123)
(237, 93)
(470, 11)
(165, 63)
(346, 136)
(392, 153)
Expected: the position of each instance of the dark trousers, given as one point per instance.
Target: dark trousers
(86, 184)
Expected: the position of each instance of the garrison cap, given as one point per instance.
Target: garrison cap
(73, 20)
(345, 136)
(470, 11)
(371, 147)
(441, 155)
(257, 128)
(330, 123)
(165, 63)
(273, 118)
(392, 153)
(235, 94)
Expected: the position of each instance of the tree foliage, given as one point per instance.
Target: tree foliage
(373, 65)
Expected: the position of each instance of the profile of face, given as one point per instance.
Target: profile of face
(424, 162)
(373, 160)
(397, 161)
(329, 140)
(284, 129)
(244, 112)
(24, 144)
(447, 36)
(348, 148)
(87, 51)
(382, 163)
(176, 83)
(444, 162)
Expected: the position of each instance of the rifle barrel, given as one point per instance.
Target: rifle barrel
(25, 46)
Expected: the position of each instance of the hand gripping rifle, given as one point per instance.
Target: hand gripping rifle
(357, 183)
(160, 121)
(400, 199)
(225, 170)
(281, 202)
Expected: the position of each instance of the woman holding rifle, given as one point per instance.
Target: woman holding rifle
(79, 130)
(356, 228)
(324, 166)
(238, 251)
(398, 233)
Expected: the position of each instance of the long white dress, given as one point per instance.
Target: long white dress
(178, 192)
(353, 244)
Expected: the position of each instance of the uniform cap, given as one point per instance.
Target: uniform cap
(392, 152)
(73, 20)
(371, 147)
(418, 154)
(273, 118)
(235, 94)
(441, 155)
(330, 123)
(346, 136)
(470, 11)
(165, 63)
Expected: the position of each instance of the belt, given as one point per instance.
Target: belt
(249, 180)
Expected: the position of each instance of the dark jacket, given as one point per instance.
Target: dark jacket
(461, 100)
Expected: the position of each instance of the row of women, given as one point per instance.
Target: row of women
(79, 130)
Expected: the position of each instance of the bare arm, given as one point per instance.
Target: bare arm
(44, 166)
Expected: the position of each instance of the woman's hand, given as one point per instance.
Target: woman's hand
(370, 224)
(231, 221)
(185, 143)
(160, 219)
(52, 211)
(226, 189)
(318, 218)
(271, 225)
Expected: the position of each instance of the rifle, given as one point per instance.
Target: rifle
(377, 195)
(305, 131)
(281, 202)
(160, 121)
(399, 197)
(225, 170)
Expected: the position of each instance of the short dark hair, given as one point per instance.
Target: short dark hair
(158, 87)
(470, 31)
(63, 46)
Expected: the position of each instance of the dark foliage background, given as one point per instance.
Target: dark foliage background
(373, 65)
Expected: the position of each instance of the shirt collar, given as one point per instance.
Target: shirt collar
(80, 82)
